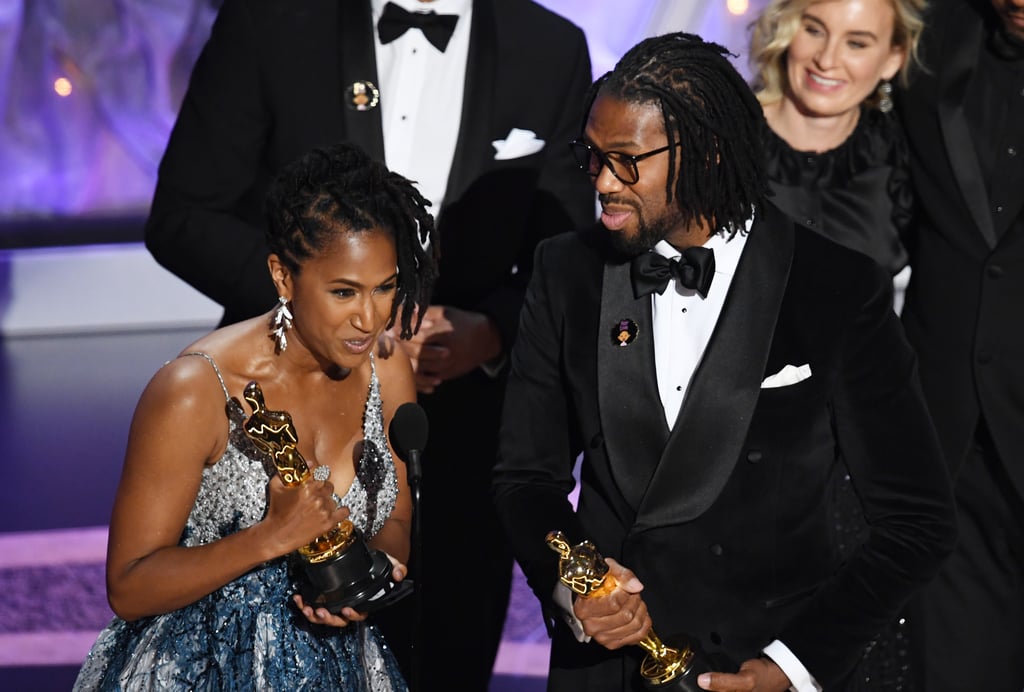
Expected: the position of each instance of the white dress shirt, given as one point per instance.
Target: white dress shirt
(683, 321)
(421, 93)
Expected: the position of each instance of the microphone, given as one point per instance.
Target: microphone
(408, 433)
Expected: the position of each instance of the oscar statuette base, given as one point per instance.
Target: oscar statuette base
(358, 578)
(677, 671)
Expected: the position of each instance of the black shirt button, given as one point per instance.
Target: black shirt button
(716, 549)
(753, 456)
(994, 271)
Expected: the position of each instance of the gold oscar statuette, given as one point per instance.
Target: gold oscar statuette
(340, 569)
(582, 568)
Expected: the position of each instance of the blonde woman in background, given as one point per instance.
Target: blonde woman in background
(837, 160)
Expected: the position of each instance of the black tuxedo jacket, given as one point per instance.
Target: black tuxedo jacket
(963, 305)
(271, 84)
(727, 517)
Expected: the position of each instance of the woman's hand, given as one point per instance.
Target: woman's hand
(298, 514)
(322, 616)
(398, 570)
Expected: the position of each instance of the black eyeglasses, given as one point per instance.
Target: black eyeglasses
(623, 166)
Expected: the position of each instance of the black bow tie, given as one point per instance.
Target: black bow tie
(436, 27)
(651, 272)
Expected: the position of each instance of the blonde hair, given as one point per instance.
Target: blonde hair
(774, 29)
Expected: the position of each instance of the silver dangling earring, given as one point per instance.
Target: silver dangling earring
(280, 323)
(885, 97)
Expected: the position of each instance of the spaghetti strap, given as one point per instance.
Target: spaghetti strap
(227, 397)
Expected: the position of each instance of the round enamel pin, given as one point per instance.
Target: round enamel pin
(362, 96)
(625, 332)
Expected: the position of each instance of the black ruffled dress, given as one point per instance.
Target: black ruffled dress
(857, 194)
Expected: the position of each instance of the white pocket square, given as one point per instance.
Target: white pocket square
(517, 143)
(791, 374)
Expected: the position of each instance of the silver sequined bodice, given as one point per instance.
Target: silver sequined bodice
(245, 635)
(232, 495)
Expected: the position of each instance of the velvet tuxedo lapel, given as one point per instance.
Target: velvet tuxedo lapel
(478, 103)
(359, 64)
(632, 417)
(963, 50)
(709, 433)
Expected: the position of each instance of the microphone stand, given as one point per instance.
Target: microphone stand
(417, 560)
(408, 433)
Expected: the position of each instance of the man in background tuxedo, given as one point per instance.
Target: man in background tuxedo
(714, 363)
(476, 102)
(964, 119)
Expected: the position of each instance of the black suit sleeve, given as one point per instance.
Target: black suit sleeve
(533, 475)
(889, 443)
(205, 224)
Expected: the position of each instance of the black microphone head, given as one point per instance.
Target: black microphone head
(408, 429)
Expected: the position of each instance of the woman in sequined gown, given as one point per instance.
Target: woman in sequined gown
(202, 571)
(837, 164)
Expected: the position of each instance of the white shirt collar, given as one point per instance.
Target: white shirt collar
(459, 7)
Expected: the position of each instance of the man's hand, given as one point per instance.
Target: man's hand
(755, 675)
(619, 618)
(450, 343)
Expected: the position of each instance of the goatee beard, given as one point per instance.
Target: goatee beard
(646, 237)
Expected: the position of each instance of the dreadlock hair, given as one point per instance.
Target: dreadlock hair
(711, 112)
(340, 189)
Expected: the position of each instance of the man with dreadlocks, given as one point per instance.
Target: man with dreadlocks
(712, 362)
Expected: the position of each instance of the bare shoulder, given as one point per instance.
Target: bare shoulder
(181, 417)
(189, 383)
(191, 388)
(390, 356)
(394, 370)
